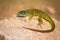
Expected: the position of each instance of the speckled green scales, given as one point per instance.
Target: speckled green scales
(40, 14)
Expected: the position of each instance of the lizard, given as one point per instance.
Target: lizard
(41, 14)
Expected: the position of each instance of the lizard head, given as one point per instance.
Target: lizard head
(22, 14)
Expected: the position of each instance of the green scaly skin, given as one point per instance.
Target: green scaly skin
(40, 14)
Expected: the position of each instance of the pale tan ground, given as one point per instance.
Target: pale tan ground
(12, 30)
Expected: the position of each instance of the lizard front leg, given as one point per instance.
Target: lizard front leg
(30, 16)
(40, 20)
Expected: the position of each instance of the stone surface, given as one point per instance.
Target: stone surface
(12, 29)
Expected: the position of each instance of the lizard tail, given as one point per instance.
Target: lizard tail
(43, 31)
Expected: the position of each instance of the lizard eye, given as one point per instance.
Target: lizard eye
(25, 14)
(21, 14)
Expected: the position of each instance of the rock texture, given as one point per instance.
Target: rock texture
(2, 37)
(11, 29)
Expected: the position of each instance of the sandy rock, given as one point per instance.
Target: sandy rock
(12, 29)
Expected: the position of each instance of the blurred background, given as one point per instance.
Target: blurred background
(9, 8)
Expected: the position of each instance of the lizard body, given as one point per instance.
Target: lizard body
(40, 14)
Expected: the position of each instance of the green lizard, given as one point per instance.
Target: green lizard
(40, 14)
